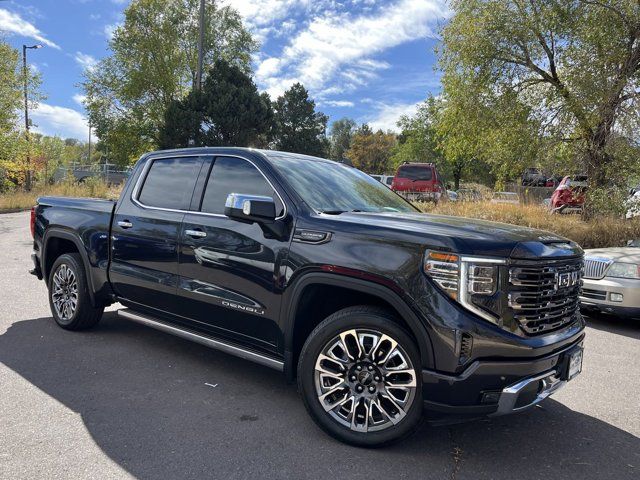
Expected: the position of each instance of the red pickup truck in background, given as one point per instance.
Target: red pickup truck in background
(419, 182)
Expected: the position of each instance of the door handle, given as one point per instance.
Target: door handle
(125, 224)
(195, 233)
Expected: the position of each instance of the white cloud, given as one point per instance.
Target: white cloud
(14, 23)
(87, 62)
(110, 29)
(261, 13)
(61, 121)
(387, 115)
(338, 103)
(341, 44)
(79, 99)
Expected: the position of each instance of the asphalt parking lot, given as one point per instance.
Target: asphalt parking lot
(125, 401)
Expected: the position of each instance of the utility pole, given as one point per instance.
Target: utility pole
(25, 74)
(89, 157)
(198, 84)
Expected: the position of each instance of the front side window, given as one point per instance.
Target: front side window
(331, 187)
(169, 183)
(235, 175)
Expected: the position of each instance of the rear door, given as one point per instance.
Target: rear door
(231, 272)
(146, 232)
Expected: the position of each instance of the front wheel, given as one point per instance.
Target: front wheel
(69, 296)
(359, 377)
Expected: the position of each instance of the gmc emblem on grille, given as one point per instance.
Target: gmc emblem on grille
(566, 280)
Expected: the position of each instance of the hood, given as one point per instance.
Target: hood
(621, 254)
(464, 235)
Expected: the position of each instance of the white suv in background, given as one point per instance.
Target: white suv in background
(384, 179)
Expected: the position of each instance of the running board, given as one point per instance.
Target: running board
(202, 340)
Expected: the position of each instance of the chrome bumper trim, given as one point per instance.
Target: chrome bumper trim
(551, 383)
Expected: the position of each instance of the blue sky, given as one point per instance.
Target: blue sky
(371, 60)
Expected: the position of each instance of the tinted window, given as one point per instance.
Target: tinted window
(235, 175)
(415, 172)
(169, 183)
(328, 186)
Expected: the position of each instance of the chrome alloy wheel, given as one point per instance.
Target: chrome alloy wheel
(65, 292)
(365, 380)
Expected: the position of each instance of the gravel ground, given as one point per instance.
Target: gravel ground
(126, 401)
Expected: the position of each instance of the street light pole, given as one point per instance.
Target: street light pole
(25, 74)
(198, 84)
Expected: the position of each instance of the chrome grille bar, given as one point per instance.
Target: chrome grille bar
(595, 268)
(545, 297)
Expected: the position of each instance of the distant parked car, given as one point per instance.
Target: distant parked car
(534, 178)
(633, 204)
(569, 196)
(419, 182)
(506, 197)
(383, 179)
(612, 280)
(469, 195)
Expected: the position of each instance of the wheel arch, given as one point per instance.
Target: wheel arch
(50, 254)
(363, 291)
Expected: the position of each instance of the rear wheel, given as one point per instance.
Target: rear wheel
(69, 297)
(358, 374)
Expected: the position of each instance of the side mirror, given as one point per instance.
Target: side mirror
(250, 208)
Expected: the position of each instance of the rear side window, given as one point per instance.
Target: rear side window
(169, 183)
(235, 175)
(415, 172)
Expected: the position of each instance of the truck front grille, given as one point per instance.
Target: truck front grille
(595, 268)
(544, 296)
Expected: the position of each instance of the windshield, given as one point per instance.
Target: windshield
(332, 187)
(415, 172)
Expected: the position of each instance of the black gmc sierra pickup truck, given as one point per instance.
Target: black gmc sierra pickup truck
(313, 268)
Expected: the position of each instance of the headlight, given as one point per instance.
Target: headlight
(469, 280)
(624, 270)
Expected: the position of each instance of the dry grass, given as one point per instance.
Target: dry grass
(21, 200)
(598, 232)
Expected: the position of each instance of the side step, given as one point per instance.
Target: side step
(202, 339)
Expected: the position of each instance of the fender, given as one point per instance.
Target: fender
(291, 300)
(57, 232)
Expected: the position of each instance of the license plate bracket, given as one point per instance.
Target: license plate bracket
(571, 364)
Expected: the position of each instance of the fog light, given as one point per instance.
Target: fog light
(616, 297)
(490, 397)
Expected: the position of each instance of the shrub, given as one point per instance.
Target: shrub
(91, 187)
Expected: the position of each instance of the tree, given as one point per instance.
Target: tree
(153, 63)
(371, 151)
(13, 144)
(418, 141)
(298, 127)
(572, 67)
(340, 138)
(228, 111)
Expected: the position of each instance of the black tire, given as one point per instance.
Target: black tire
(366, 318)
(84, 315)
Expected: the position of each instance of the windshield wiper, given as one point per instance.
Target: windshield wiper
(338, 212)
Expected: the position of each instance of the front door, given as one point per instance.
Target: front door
(230, 271)
(146, 232)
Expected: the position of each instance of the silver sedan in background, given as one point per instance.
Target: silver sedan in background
(612, 281)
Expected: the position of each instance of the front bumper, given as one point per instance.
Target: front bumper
(597, 296)
(497, 387)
